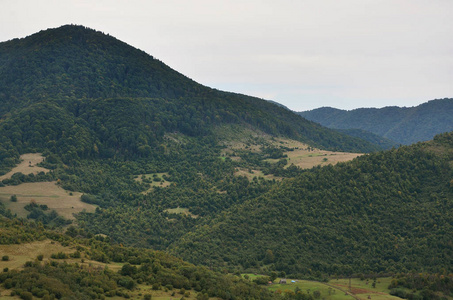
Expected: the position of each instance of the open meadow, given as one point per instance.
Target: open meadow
(28, 165)
(65, 203)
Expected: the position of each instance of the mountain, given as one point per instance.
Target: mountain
(404, 125)
(71, 68)
(176, 166)
(384, 212)
(112, 121)
(381, 141)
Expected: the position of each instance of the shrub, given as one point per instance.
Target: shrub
(5, 258)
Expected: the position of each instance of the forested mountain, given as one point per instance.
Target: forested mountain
(383, 212)
(74, 71)
(403, 125)
(158, 154)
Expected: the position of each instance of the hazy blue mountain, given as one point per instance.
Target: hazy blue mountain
(404, 125)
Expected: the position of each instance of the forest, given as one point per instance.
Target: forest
(400, 125)
(152, 150)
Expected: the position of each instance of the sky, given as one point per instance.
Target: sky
(303, 54)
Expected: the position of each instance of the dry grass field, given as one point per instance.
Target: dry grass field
(306, 158)
(65, 203)
(300, 154)
(28, 165)
(21, 253)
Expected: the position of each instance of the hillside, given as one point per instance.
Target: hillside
(48, 265)
(81, 76)
(111, 121)
(403, 125)
(383, 212)
(147, 158)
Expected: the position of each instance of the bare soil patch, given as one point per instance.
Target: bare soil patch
(28, 165)
(65, 203)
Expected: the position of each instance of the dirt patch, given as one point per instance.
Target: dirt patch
(65, 203)
(28, 165)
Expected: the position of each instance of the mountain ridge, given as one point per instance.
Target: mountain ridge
(403, 125)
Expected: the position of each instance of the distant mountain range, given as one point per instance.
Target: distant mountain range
(402, 125)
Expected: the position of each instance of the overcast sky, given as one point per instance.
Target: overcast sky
(304, 54)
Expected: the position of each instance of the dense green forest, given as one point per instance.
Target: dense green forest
(402, 125)
(384, 212)
(143, 142)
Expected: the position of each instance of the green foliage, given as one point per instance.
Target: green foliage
(422, 286)
(382, 212)
(68, 280)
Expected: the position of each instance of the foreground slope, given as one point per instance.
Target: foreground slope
(91, 268)
(383, 212)
(404, 125)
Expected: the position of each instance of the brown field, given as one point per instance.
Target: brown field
(301, 155)
(48, 193)
(306, 159)
(27, 166)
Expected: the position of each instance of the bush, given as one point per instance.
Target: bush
(13, 198)
(26, 295)
(5, 258)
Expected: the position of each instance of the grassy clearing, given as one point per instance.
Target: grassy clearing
(28, 165)
(306, 157)
(21, 253)
(154, 180)
(363, 288)
(250, 174)
(336, 289)
(65, 203)
(180, 210)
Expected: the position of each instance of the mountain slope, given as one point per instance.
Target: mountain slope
(73, 67)
(383, 212)
(405, 125)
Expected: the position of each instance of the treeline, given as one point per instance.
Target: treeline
(423, 286)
